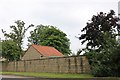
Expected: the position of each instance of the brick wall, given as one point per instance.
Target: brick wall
(73, 64)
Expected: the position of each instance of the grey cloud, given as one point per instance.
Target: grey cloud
(68, 15)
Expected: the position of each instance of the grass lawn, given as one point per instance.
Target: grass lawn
(49, 75)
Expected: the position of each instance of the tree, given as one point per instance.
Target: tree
(50, 36)
(10, 50)
(79, 52)
(104, 62)
(0, 48)
(96, 28)
(18, 33)
(118, 39)
(102, 47)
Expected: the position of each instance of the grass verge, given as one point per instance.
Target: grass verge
(49, 75)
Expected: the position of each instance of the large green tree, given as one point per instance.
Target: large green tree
(17, 33)
(10, 50)
(50, 36)
(105, 62)
(102, 47)
(0, 47)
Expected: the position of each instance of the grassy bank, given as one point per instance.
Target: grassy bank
(49, 75)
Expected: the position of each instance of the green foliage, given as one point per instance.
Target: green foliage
(0, 48)
(78, 52)
(103, 50)
(50, 36)
(106, 60)
(17, 33)
(10, 50)
(101, 70)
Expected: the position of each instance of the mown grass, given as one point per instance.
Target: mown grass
(49, 75)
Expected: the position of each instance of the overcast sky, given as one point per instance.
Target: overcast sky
(70, 16)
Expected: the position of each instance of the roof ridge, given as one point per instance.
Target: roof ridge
(43, 46)
(47, 50)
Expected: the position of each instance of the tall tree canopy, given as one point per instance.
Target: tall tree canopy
(96, 28)
(10, 50)
(0, 48)
(50, 36)
(17, 33)
(103, 50)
